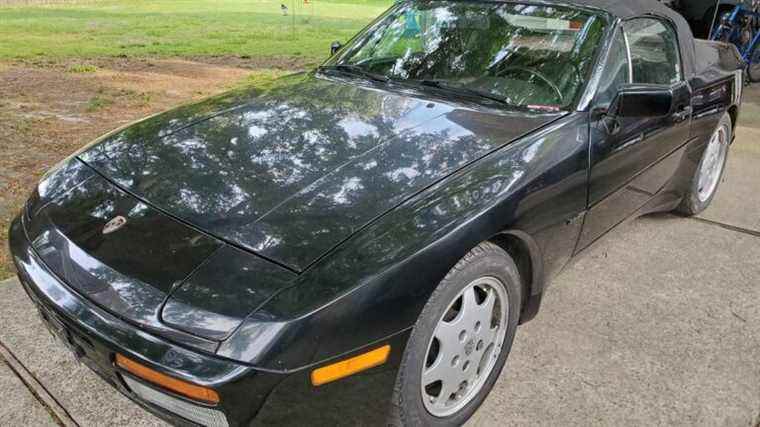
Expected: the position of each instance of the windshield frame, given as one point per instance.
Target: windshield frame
(578, 101)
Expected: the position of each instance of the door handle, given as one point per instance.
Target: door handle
(682, 115)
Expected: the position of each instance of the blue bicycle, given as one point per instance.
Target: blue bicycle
(741, 27)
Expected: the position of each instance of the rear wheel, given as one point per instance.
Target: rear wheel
(706, 180)
(460, 342)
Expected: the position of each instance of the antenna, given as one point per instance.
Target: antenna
(715, 18)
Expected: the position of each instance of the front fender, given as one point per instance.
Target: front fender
(375, 284)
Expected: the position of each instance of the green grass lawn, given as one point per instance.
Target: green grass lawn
(75, 31)
(166, 28)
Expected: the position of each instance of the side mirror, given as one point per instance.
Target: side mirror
(634, 101)
(637, 101)
(334, 47)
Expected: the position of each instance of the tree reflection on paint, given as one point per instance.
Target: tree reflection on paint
(291, 173)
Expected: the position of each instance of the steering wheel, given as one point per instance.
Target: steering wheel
(541, 76)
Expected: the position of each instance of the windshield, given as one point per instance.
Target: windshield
(520, 54)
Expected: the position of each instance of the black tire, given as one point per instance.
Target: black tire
(486, 260)
(691, 204)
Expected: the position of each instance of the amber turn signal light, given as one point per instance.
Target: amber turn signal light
(183, 388)
(350, 366)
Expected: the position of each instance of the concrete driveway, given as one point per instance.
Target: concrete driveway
(658, 324)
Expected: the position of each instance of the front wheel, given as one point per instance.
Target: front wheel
(705, 182)
(460, 342)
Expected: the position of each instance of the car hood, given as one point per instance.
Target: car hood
(290, 172)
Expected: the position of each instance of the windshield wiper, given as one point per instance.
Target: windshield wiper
(356, 70)
(439, 84)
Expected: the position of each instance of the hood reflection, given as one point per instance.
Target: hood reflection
(293, 172)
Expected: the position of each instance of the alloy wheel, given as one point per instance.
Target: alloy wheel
(712, 164)
(465, 346)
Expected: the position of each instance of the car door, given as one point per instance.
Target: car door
(628, 154)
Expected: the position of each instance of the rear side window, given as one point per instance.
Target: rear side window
(654, 51)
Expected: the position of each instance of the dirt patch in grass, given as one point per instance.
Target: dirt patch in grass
(172, 66)
(257, 63)
(49, 109)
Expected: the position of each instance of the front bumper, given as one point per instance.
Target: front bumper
(248, 395)
(95, 336)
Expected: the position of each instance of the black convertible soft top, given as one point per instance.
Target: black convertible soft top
(625, 9)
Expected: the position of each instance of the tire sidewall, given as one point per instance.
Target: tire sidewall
(491, 263)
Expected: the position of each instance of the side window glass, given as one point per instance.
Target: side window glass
(654, 51)
(616, 70)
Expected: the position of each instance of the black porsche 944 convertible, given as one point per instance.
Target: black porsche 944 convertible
(358, 244)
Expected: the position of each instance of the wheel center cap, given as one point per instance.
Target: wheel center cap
(468, 347)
